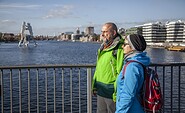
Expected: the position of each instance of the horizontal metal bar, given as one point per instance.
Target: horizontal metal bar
(80, 65)
(43, 71)
(49, 66)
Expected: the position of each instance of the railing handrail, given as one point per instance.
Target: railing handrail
(79, 65)
(173, 73)
(49, 66)
(169, 64)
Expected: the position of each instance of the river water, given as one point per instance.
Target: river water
(63, 52)
(59, 52)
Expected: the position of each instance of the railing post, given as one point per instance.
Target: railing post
(2, 93)
(89, 94)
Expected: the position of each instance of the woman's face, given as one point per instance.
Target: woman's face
(126, 47)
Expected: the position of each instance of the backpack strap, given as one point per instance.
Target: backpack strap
(144, 67)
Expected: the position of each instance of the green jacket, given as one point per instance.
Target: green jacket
(108, 67)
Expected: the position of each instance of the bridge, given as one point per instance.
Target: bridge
(67, 88)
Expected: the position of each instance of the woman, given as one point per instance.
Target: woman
(129, 84)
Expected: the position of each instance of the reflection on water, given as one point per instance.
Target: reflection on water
(161, 55)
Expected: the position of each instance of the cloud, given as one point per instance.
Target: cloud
(60, 11)
(8, 26)
(7, 22)
(18, 6)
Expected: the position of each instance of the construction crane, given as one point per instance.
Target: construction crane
(25, 38)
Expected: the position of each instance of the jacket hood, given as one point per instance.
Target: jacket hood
(138, 56)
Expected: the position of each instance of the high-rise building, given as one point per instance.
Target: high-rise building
(184, 34)
(89, 30)
(175, 31)
(154, 32)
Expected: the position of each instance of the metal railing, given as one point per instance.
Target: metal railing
(67, 88)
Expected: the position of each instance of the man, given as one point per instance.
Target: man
(109, 64)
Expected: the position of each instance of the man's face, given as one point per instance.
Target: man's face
(107, 33)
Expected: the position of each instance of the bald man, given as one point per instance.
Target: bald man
(108, 66)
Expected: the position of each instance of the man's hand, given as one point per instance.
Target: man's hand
(94, 92)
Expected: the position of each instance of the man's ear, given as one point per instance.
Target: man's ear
(115, 32)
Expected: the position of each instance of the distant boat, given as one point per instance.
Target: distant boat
(176, 48)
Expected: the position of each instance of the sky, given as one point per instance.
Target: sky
(52, 17)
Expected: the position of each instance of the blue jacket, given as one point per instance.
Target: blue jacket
(128, 88)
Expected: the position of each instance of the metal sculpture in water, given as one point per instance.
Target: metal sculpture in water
(25, 38)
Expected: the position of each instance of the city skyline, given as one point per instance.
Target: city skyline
(52, 17)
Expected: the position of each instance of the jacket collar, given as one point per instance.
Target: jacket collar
(131, 54)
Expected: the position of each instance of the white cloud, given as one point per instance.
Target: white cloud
(7, 22)
(18, 6)
(60, 11)
(8, 26)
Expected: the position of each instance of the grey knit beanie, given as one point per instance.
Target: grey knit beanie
(137, 42)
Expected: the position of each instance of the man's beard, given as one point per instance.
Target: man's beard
(105, 40)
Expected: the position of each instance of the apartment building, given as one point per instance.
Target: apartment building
(175, 31)
(154, 32)
(184, 35)
(172, 32)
